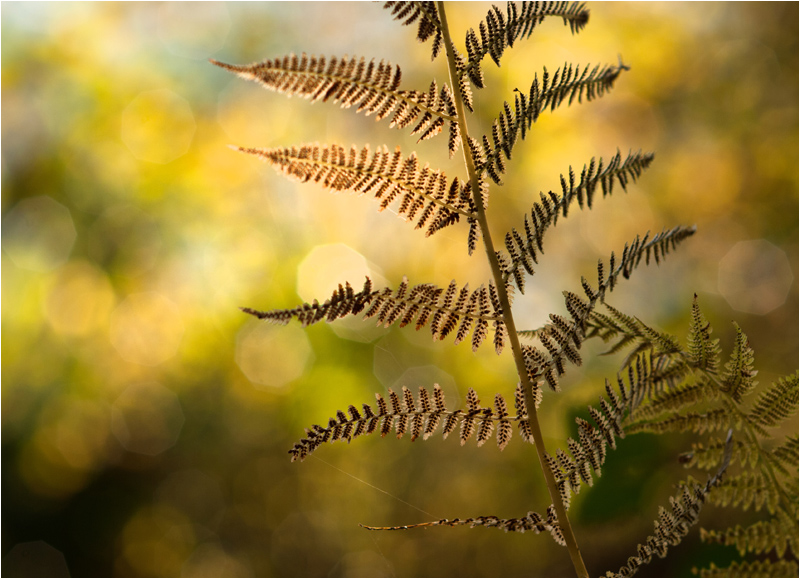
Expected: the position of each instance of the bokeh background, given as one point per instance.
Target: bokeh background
(145, 419)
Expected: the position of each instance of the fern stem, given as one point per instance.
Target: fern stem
(497, 274)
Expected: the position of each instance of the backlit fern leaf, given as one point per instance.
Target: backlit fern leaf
(523, 248)
(422, 194)
(498, 31)
(777, 403)
(353, 82)
(760, 537)
(563, 340)
(531, 522)
(703, 350)
(425, 14)
(738, 377)
(751, 569)
(673, 524)
(566, 85)
(445, 311)
(420, 418)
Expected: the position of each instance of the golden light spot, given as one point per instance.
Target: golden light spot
(714, 187)
(158, 126)
(147, 418)
(211, 560)
(155, 543)
(79, 299)
(272, 356)
(146, 328)
(321, 272)
(755, 277)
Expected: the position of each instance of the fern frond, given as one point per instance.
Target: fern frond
(498, 32)
(786, 455)
(760, 537)
(709, 456)
(566, 85)
(424, 195)
(673, 525)
(711, 421)
(343, 302)
(429, 25)
(563, 340)
(746, 489)
(420, 418)
(737, 380)
(447, 311)
(523, 249)
(353, 82)
(751, 569)
(704, 351)
(676, 399)
(777, 403)
(530, 522)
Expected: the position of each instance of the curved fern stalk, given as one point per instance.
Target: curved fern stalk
(563, 338)
(446, 310)
(523, 250)
(531, 522)
(425, 14)
(566, 86)
(421, 192)
(420, 418)
(674, 524)
(498, 32)
(353, 82)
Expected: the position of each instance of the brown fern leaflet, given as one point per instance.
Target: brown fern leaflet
(532, 521)
(353, 82)
(421, 193)
(420, 418)
(446, 311)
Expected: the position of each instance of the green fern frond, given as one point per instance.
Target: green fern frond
(424, 195)
(751, 569)
(673, 525)
(420, 418)
(709, 456)
(530, 522)
(760, 537)
(786, 455)
(704, 351)
(746, 489)
(711, 421)
(429, 25)
(353, 82)
(446, 311)
(676, 399)
(777, 403)
(737, 380)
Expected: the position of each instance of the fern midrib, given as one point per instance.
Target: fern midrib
(505, 303)
(394, 180)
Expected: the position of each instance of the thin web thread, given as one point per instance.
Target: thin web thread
(376, 488)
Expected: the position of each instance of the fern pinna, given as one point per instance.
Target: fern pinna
(659, 386)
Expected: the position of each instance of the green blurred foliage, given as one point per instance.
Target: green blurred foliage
(145, 420)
